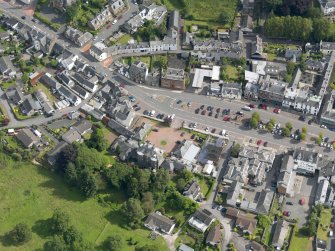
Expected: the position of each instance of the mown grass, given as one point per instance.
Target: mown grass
(325, 220)
(29, 194)
(300, 242)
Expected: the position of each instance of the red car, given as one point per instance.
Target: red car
(226, 118)
(287, 213)
(251, 105)
(276, 110)
(302, 201)
(263, 106)
(259, 142)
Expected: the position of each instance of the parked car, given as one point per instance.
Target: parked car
(216, 115)
(137, 108)
(210, 114)
(302, 118)
(203, 112)
(179, 102)
(263, 106)
(287, 213)
(239, 113)
(207, 129)
(202, 107)
(197, 110)
(246, 108)
(218, 110)
(302, 201)
(189, 104)
(289, 203)
(276, 110)
(251, 106)
(323, 126)
(226, 118)
(259, 142)
(213, 130)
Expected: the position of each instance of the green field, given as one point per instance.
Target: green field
(201, 10)
(323, 228)
(29, 194)
(300, 242)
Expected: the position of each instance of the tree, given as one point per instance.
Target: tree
(161, 63)
(132, 210)
(118, 174)
(87, 183)
(53, 63)
(20, 234)
(302, 136)
(318, 141)
(113, 243)
(89, 159)
(321, 29)
(314, 12)
(138, 183)
(56, 244)
(25, 78)
(160, 180)
(71, 174)
(68, 154)
(270, 126)
(286, 132)
(304, 130)
(321, 135)
(148, 204)
(71, 235)
(225, 17)
(253, 123)
(289, 126)
(180, 185)
(264, 221)
(60, 221)
(290, 66)
(235, 150)
(97, 140)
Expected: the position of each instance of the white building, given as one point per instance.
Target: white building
(99, 51)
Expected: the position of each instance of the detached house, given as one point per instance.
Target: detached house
(192, 190)
(214, 236)
(27, 137)
(246, 224)
(157, 221)
(201, 220)
(99, 51)
(7, 68)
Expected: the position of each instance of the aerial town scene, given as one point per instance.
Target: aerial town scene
(167, 125)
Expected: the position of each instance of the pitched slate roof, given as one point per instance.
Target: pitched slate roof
(156, 220)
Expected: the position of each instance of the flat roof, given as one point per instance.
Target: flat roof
(216, 73)
(199, 75)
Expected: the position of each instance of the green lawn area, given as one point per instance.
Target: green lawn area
(29, 194)
(232, 72)
(124, 39)
(213, 25)
(204, 186)
(325, 220)
(145, 59)
(185, 239)
(202, 10)
(6, 85)
(300, 242)
(45, 89)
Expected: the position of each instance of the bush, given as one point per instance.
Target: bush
(20, 234)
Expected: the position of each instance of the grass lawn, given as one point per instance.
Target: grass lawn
(8, 84)
(300, 242)
(213, 25)
(325, 219)
(145, 59)
(30, 194)
(231, 71)
(202, 10)
(124, 39)
(185, 239)
(45, 89)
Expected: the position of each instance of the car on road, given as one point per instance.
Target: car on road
(289, 203)
(179, 101)
(252, 106)
(276, 110)
(246, 108)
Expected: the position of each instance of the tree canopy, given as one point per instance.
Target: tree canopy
(20, 234)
